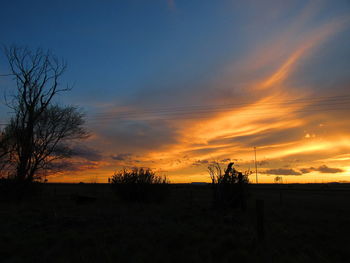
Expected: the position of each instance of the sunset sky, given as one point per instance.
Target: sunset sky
(174, 85)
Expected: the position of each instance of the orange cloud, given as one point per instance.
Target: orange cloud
(273, 106)
(198, 136)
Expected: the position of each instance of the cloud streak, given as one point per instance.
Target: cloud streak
(282, 171)
(259, 100)
(322, 169)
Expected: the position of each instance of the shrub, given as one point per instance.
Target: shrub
(278, 180)
(140, 185)
(230, 187)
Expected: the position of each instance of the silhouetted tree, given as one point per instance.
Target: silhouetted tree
(40, 131)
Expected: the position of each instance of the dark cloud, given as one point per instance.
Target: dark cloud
(262, 163)
(307, 170)
(74, 166)
(289, 171)
(122, 156)
(138, 135)
(222, 161)
(200, 162)
(326, 169)
(322, 169)
(282, 171)
(205, 149)
(87, 153)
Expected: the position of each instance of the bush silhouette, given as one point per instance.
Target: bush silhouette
(139, 185)
(230, 187)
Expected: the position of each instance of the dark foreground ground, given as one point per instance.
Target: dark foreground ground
(303, 223)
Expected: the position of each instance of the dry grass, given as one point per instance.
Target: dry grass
(310, 225)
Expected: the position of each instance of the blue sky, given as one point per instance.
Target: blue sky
(141, 55)
(126, 46)
(121, 45)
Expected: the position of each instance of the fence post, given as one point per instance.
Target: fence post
(260, 219)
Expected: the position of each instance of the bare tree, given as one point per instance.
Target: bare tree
(40, 131)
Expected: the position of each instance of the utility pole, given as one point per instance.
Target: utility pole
(256, 167)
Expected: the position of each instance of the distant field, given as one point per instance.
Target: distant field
(303, 223)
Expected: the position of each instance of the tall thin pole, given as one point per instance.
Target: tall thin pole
(256, 167)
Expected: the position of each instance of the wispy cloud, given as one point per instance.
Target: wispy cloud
(264, 108)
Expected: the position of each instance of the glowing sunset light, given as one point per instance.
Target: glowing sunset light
(188, 93)
(175, 131)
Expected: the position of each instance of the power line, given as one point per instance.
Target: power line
(230, 105)
(330, 106)
(320, 100)
(310, 102)
(315, 104)
(208, 111)
(122, 116)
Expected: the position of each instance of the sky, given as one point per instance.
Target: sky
(175, 85)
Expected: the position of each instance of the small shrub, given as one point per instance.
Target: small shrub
(278, 180)
(139, 185)
(230, 187)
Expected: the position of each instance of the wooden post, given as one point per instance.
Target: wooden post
(260, 219)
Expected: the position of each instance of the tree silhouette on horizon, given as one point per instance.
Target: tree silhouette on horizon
(40, 131)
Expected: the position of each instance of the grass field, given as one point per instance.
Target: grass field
(303, 223)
